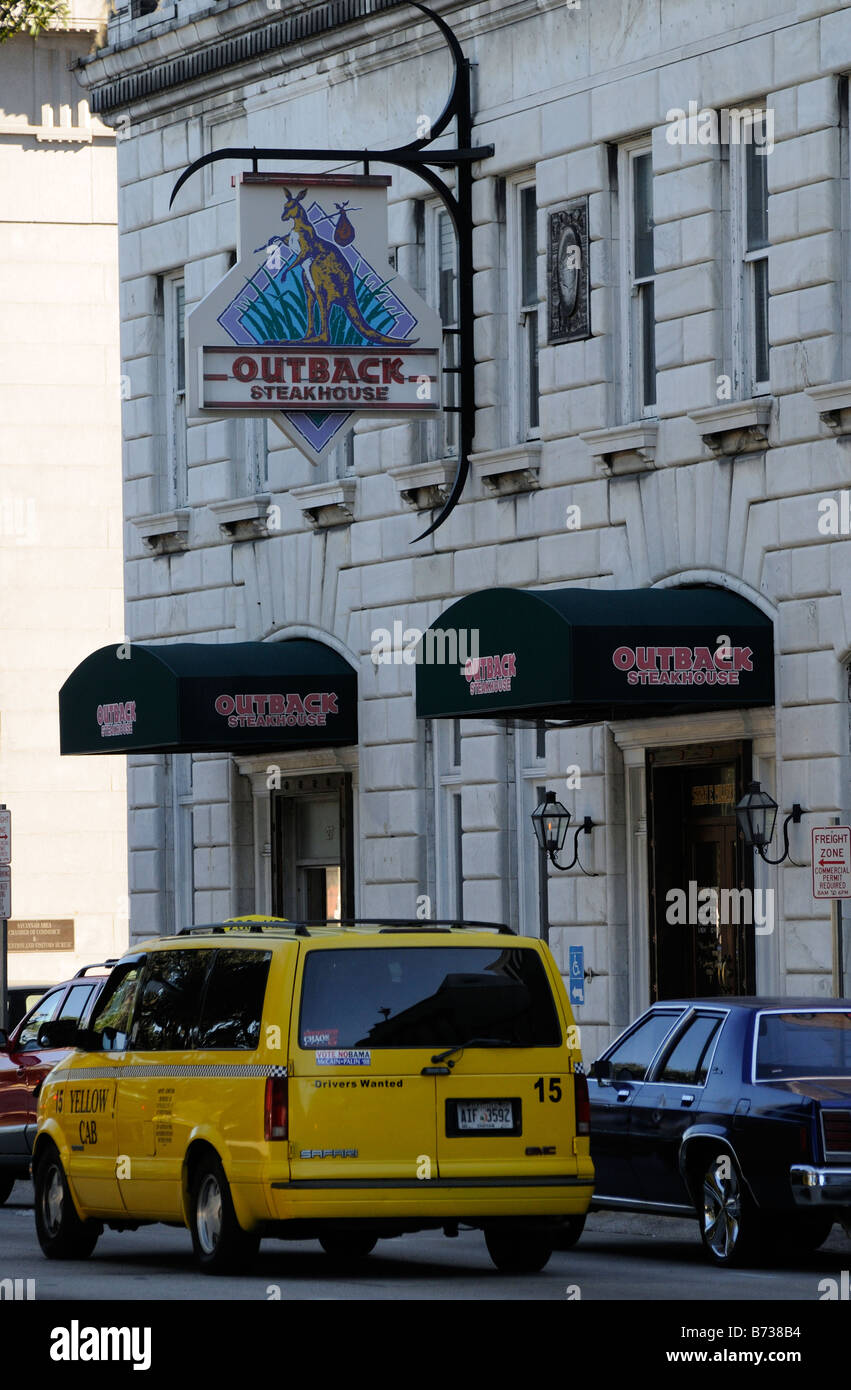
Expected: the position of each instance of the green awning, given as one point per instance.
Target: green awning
(209, 697)
(590, 654)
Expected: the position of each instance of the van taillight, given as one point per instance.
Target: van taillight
(582, 1103)
(275, 1120)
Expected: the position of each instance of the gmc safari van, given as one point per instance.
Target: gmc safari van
(336, 1081)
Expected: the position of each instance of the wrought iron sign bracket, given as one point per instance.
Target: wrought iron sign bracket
(419, 159)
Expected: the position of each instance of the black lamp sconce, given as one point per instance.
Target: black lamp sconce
(550, 821)
(757, 815)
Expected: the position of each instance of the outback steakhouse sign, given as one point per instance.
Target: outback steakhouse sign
(246, 380)
(682, 665)
(313, 326)
(277, 711)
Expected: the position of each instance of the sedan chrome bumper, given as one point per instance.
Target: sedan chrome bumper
(827, 1187)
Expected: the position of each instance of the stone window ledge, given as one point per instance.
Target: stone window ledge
(833, 403)
(424, 485)
(502, 472)
(735, 427)
(243, 518)
(327, 504)
(624, 448)
(164, 533)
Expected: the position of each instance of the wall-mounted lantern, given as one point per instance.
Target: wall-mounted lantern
(757, 815)
(551, 821)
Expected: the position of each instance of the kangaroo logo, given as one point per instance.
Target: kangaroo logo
(327, 276)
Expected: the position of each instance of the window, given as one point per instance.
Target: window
(429, 996)
(111, 1022)
(688, 1059)
(523, 270)
(75, 1002)
(42, 1013)
(171, 1001)
(458, 854)
(541, 740)
(638, 316)
(631, 1058)
(803, 1044)
(233, 1003)
(442, 274)
(174, 356)
(449, 829)
(747, 156)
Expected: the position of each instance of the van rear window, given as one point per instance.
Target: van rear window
(426, 996)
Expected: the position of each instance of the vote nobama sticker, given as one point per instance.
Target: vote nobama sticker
(340, 1058)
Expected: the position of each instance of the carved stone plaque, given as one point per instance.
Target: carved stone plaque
(568, 297)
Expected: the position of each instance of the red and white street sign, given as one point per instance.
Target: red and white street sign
(5, 891)
(832, 861)
(5, 838)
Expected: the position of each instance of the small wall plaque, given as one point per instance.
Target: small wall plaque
(568, 295)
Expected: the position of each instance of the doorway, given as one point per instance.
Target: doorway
(312, 848)
(701, 878)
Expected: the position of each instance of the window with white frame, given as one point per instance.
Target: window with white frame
(529, 785)
(174, 358)
(442, 291)
(523, 341)
(449, 831)
(748, 174)
(179, 839)
(638, 277)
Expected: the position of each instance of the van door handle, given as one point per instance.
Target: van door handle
(624, 1094)
(687, 1099)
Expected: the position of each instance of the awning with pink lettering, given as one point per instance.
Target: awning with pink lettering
(584, 655)
(209, 697)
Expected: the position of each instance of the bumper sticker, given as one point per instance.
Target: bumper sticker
(341, 1058)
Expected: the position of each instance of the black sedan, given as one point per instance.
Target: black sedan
(736, 1110)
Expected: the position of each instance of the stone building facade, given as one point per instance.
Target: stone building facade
(61, 523)
(696, 438)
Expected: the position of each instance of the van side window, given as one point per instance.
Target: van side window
(115, 1007)
(171, 1001)
(233, 1005)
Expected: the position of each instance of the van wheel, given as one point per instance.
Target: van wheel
(518, 1253)
(219, 1242)
(348, 1245)
(6, 1185)
(61, 1233)
(566, 1235)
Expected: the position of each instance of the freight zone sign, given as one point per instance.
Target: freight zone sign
(312, 325)
(832, 861)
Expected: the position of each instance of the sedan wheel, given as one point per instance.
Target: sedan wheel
(731, 1227)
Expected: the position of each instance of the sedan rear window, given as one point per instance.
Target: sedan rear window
(800, 1044)
(426, 996)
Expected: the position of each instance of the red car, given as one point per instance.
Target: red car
(24, 1064)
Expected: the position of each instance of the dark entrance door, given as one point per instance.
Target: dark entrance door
(701, 876)
(312, 847)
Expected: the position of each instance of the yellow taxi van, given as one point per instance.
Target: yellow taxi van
(334, 1081)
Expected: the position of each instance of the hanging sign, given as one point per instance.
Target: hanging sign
(312, 326)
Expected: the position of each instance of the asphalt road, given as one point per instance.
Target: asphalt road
(618, 1257)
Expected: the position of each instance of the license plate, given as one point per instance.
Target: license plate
(486, 1114)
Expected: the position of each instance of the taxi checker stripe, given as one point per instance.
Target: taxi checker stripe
(153, 1071)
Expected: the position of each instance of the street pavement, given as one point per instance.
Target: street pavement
(618, 1257)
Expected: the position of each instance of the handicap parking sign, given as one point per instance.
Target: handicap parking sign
(577, 975)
